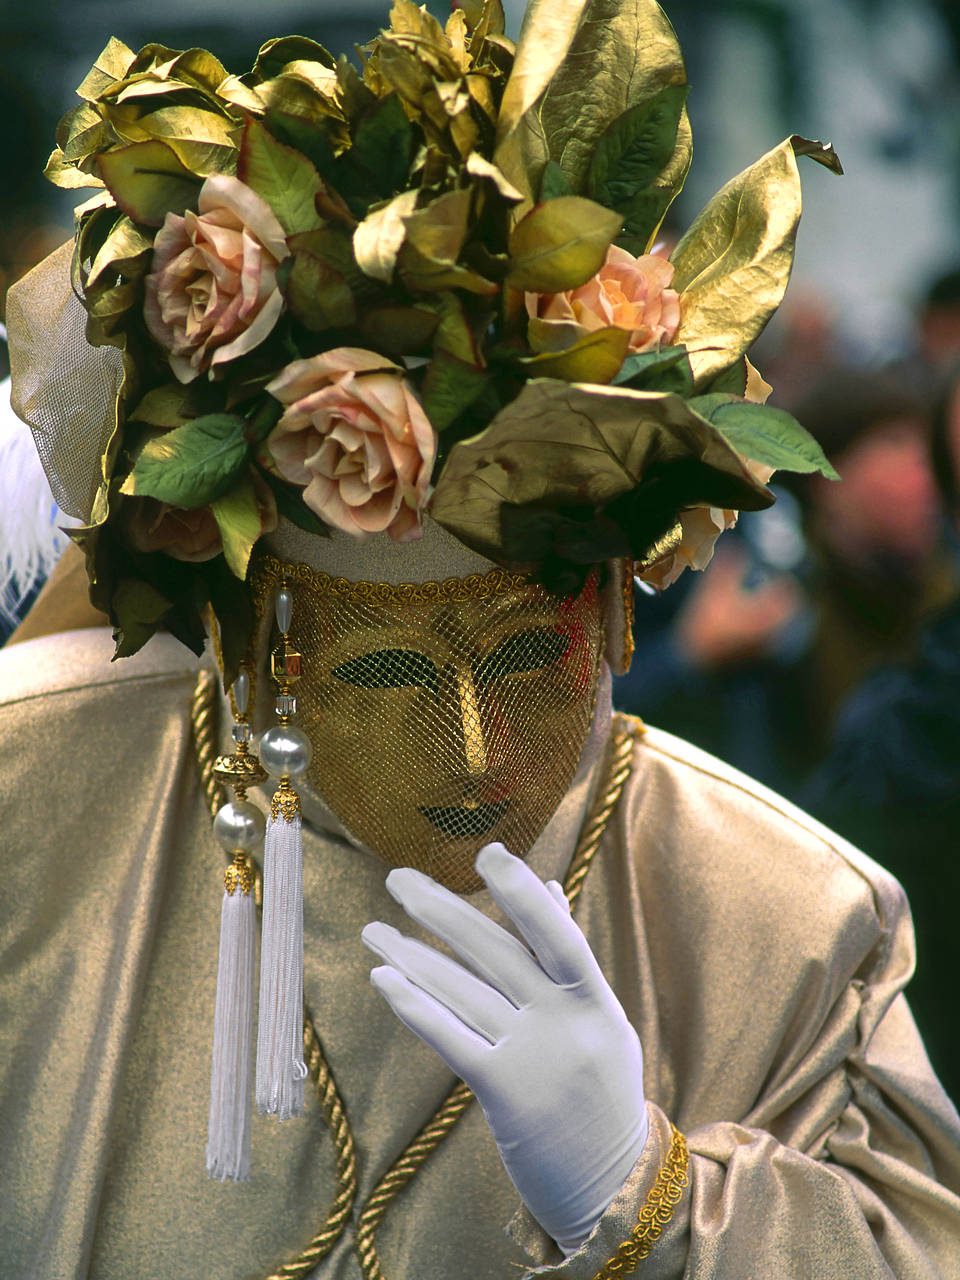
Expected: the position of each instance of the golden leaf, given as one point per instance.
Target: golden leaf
(596, 357)
(203, 141)
(378, 238)
(580, 64)
(112, 64)
(478, 167)
(731, 267)
(240, 519)
(64, 173)
(560, 244)
(435, 235)
(563, 444)
(124, 250)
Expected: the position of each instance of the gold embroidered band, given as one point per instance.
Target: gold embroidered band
(655, 1212)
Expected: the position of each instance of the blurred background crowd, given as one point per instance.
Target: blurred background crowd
(820, 651)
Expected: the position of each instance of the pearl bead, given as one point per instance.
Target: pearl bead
(285, 751)
(241, 691)
(238, 826)
(284, 610)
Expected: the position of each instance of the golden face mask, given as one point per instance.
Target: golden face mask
(442, 715)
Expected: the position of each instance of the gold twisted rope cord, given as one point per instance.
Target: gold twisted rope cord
(625, 731)
(203, 716)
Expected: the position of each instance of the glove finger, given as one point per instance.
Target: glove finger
(556, 888)
(461, 1049)
(548, 927)
(487, 948)
(474, 1002)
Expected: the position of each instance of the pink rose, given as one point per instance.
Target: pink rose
(212, 295)
(357, 438)
(627, 292)
(188, 533)
(180, 533)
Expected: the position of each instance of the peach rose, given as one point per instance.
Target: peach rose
(212, 295)
(355, 436)
(627, 292)
(188, 533)
(181, 533)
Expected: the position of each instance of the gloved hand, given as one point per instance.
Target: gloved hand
(540, 1038)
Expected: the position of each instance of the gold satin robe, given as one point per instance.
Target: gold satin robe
(760, 958)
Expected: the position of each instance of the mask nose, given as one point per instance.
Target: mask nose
(474, 747)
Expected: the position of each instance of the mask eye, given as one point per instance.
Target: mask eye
(389, 669)
(524, 651)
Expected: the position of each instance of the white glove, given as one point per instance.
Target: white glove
(540, 1038)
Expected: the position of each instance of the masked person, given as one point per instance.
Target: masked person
(359, 379)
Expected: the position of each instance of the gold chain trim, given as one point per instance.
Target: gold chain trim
(625, 731)
(203, 718)
(655, 1212)
(619, 762)
(476, 586)
(628, 612)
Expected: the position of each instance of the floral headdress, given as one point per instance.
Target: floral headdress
(354, 296)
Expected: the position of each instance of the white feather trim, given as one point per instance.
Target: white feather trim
(31, 542)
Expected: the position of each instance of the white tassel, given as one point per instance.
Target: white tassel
(228, 1133)
(281, 1070)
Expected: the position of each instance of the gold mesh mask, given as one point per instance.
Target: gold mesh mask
(442, 715)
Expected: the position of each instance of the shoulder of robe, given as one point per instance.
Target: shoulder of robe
(53, 667)
(718, 846)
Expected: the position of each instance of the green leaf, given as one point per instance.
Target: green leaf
(382, 146)
(554, 182)
(264, 418)
(148, 181)
(304, 136)
(318, 296)
(450, 385)
(283, 177)
(732, 381)
(665, 370)
(165, 407)
(767, 435)
(237, 515)
(560, 244)
(635, 148)
(193, 465)
(399, 330)
(138, 609)
(291, 506)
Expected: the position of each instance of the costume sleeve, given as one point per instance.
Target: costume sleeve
(855, 1171)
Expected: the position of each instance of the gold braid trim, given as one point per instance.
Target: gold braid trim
(476, 586)
(625, 731)
(655, 1212)
(203, 717)
(628, 613)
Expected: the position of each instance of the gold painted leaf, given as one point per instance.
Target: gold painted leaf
(378, 238)
(565, 444)
(597, 357)
(112, 64)
(579, 65)
(731, 267)
(64, 173)
(126, 251)
(478, 167)
(560, 244)
(204, 142)
(239, 518)
(435, 235)
(148, 181)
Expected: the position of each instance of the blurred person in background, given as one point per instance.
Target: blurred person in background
(891, 780)
(754, 658)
